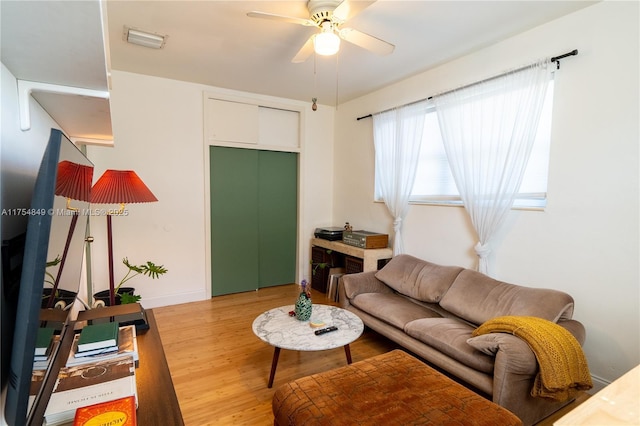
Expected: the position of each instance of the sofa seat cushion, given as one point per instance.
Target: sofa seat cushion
(394, 309)
(450, 336)
(478, 298)
(418, 279)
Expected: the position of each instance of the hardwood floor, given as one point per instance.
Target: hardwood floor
(220, 369)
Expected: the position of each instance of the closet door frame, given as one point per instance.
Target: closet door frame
(297, 107)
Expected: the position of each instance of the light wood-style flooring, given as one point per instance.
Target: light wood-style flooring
(220, 369)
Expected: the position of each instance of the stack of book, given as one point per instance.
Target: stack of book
(100, 369)
(125, 344)
(96, 338)
(333, 282)
(89, 384)
(46, 343)
(120, 412)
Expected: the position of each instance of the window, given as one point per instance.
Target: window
(434, 182)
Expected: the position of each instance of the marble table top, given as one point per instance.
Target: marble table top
(278, 329)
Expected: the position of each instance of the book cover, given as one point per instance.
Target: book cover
(41, 362)
(127, 344)
(102, 351)
(89, 384)
(121, 412)
(333, 282)
(43, 341)
(98, 336)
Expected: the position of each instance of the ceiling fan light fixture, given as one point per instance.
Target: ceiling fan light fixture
(326, 43)
(143, 38)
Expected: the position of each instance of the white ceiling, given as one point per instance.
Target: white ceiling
(59, 42)
(215, 43)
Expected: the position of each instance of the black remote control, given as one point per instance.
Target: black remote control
(325, 330)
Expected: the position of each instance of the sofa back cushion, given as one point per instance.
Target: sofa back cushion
(418, 279)
(477, 298)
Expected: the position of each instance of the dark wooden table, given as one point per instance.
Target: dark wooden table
(157, 399)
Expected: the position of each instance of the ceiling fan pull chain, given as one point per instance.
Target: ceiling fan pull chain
(314, 106)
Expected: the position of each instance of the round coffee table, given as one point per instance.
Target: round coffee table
(282, 331)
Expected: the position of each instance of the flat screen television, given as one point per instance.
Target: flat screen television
(52, 256)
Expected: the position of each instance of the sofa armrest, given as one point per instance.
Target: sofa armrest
(363, 282)
(515, 369)
(515, 366)
(576, 328)
(513, 355)
(515, 361)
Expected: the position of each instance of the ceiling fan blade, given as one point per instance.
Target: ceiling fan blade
(348, 9)
(366, 41)
(305, 51)
(282, 18)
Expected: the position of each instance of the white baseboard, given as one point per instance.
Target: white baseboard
(173, 299)
(598, 384)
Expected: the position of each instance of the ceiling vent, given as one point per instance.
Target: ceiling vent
(144, 38)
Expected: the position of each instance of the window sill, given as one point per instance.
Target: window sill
(458, 203)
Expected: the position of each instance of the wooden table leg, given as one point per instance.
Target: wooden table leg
(274, 364)
(347, 352)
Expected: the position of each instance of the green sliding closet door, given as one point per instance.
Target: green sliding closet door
(253, 219)
(234, 220)
(277, 218)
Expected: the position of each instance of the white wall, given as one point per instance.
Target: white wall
(20, 152)
(586, 241)
(158, 132)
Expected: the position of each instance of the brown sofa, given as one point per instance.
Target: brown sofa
(431, 310)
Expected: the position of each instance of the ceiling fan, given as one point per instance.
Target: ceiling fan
(329, 16)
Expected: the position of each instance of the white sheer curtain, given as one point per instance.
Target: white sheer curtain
(397, 135)
(488, 130)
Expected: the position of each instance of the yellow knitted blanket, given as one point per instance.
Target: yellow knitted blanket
(562, 364)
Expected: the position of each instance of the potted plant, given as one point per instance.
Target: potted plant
(321, 265)
(126, 295)
(61, 298)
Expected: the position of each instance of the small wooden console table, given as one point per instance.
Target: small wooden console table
(370, 257)
(157, 400)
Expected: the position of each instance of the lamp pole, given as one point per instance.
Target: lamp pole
(112, 295)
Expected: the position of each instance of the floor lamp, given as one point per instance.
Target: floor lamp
(118, 187)
(73, 182)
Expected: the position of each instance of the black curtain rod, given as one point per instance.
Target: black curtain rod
(555, 59)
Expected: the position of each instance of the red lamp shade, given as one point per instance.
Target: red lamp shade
(119, 187)
(74, 180)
